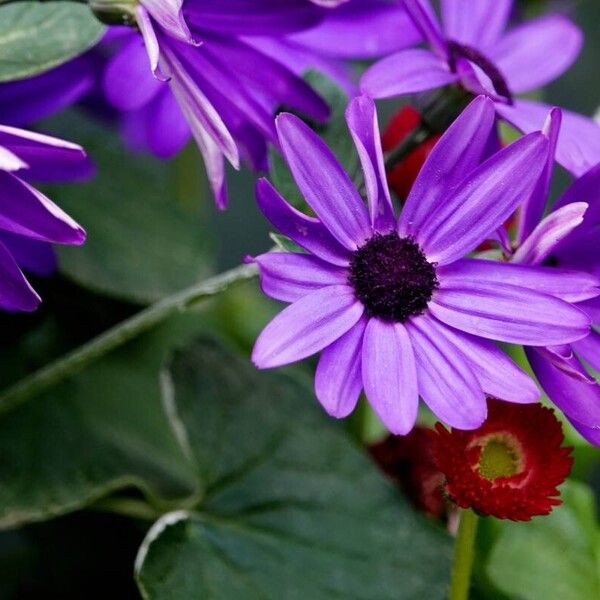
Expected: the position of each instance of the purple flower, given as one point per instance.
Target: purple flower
(568, 238)
(393, 305)
(226, 89)
(249, 64)
(471, 47)
(29, 221)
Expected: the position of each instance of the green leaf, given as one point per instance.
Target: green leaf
(102, 430)
(147, 232)
(291, 507)
(334, 133)
(555, 557)
(35, 37)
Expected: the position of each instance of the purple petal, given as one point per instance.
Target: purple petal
(26, 211)
(324, 184)
(446, 381)
(288, 277)
(537, 52)
(497, 374)
(309, 233)
(368, 29)
(202, 117)
(456, 154)
(578, 400)
(168, 131)
(10, 161)
(128, 83)
(214, 165)
(425, 19)
(578, 147)
(549, 233)
(307, 326)
(253, 17)
(508, 313)
(389, 375)
(33, 256)
(167, 13)
(338, 380)
(590, 434)
(589, 349)
(406, 72)
(532, 209)
(144, 23)
(484, 200)
(571, 286)
(15, 291)
(361, 116)
(479, 25)
(276, 82)
(32, 99)
(48, 158)
(300, 59)
(235, 101)
(587, 189)
(563, 358)
(592, 308)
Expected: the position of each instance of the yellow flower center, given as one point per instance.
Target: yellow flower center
(501, 456)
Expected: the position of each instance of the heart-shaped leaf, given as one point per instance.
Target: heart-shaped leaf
(291, 508)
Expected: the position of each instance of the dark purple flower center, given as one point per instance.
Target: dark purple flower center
(392, 277)
(457, 51)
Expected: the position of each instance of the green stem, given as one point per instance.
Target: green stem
(464, 552)
(121, 333)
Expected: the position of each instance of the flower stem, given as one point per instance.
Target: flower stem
(464, 552)
(116, 336)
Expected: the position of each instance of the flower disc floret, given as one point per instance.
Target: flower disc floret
(392, 277)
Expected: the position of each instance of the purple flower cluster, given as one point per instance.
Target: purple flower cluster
(401, 304)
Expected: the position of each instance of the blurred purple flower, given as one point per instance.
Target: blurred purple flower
(29, 221)
(568, 238)
(248, 65)
(392, 304)
(226, 89)
(471, 47)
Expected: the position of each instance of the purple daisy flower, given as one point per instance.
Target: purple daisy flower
(392, 304)
(29, 221)
(248, 66)
(568, 238)
(470, 47)
(225, 89)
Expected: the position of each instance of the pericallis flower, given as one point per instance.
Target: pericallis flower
(233, 68)
(567, 238)
(393, 305)
(509, 468)
(470, 47)
(28, 219)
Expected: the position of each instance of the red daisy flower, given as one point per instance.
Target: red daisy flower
(508, 468)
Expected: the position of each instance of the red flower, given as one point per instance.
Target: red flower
(409, 461)
(508, 468)
(402, 175)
